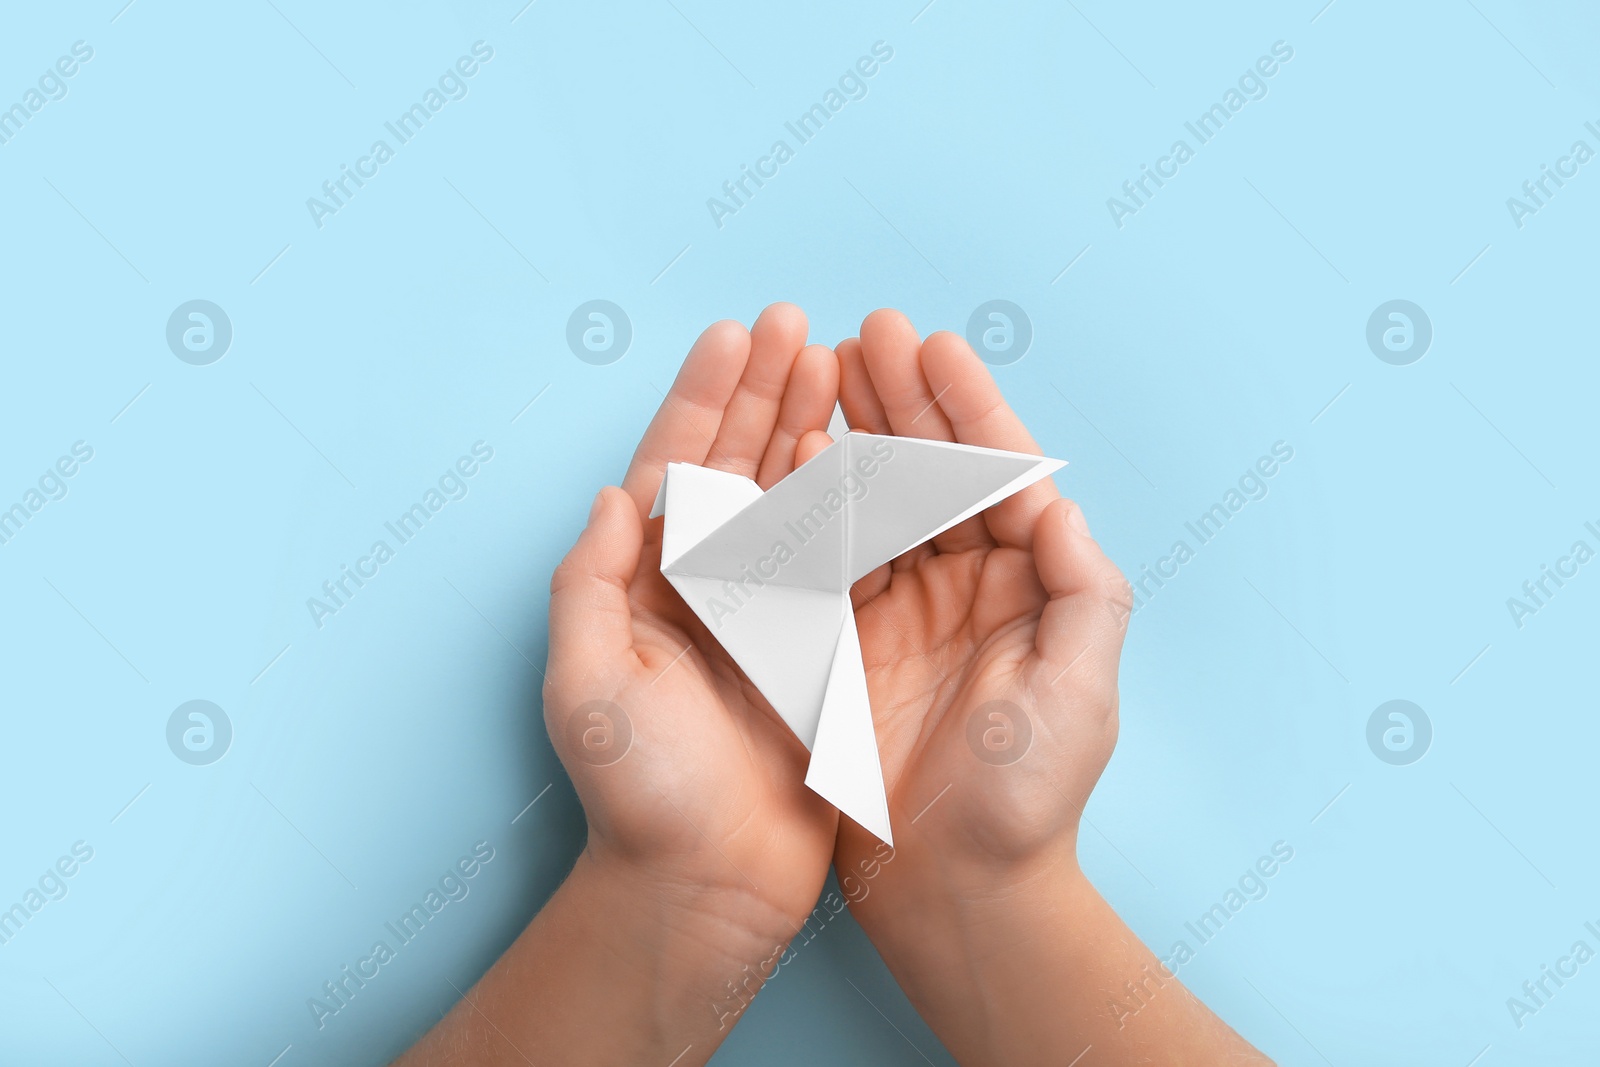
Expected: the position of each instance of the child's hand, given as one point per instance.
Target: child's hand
(706, 850)
(991, 651)
(991, 658)
(707, 805)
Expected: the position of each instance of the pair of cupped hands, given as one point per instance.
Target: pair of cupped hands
(1017, 605)
(991, 659)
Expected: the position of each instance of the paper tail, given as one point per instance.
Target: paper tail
(844, 768)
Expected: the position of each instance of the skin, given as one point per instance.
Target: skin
(1015, 619)
(705, 850)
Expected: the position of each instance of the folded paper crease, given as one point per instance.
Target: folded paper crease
(769, 573)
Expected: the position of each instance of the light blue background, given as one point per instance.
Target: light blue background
(424, 316)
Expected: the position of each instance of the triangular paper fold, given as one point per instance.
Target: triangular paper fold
(769, 573)
(844, 760)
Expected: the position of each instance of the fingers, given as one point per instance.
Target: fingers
(862, 408)
(1090, 601)
(810, 445)
(692, 412)
(591, 620)
(890, 347)
(979, 415)
(893, 356)
(807, 406)
(752, 413)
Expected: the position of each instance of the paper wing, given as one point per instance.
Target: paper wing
(716, 542)
(911, 490)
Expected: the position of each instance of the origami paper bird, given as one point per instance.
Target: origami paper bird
(769, 573)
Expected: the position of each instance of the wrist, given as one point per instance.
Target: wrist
(976, 950)
(952, 933)
(614, 942)
(706, 950)
(673, 958)
(927, 890)
(1017, 966)
(727, 919)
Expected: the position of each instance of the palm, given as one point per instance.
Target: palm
(990, 733)
(952, 639)
(682, 766)
(947, 627)
(723, 769)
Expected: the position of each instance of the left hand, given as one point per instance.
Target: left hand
(991, 651)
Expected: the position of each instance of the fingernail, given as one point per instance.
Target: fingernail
(594, 509)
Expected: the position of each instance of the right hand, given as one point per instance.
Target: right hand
(709, 805)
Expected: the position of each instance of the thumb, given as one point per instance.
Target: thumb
(591, 619)
(1090, 600)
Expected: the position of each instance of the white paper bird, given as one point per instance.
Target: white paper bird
(769, 573)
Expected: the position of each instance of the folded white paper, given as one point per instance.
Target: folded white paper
(769, 573)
